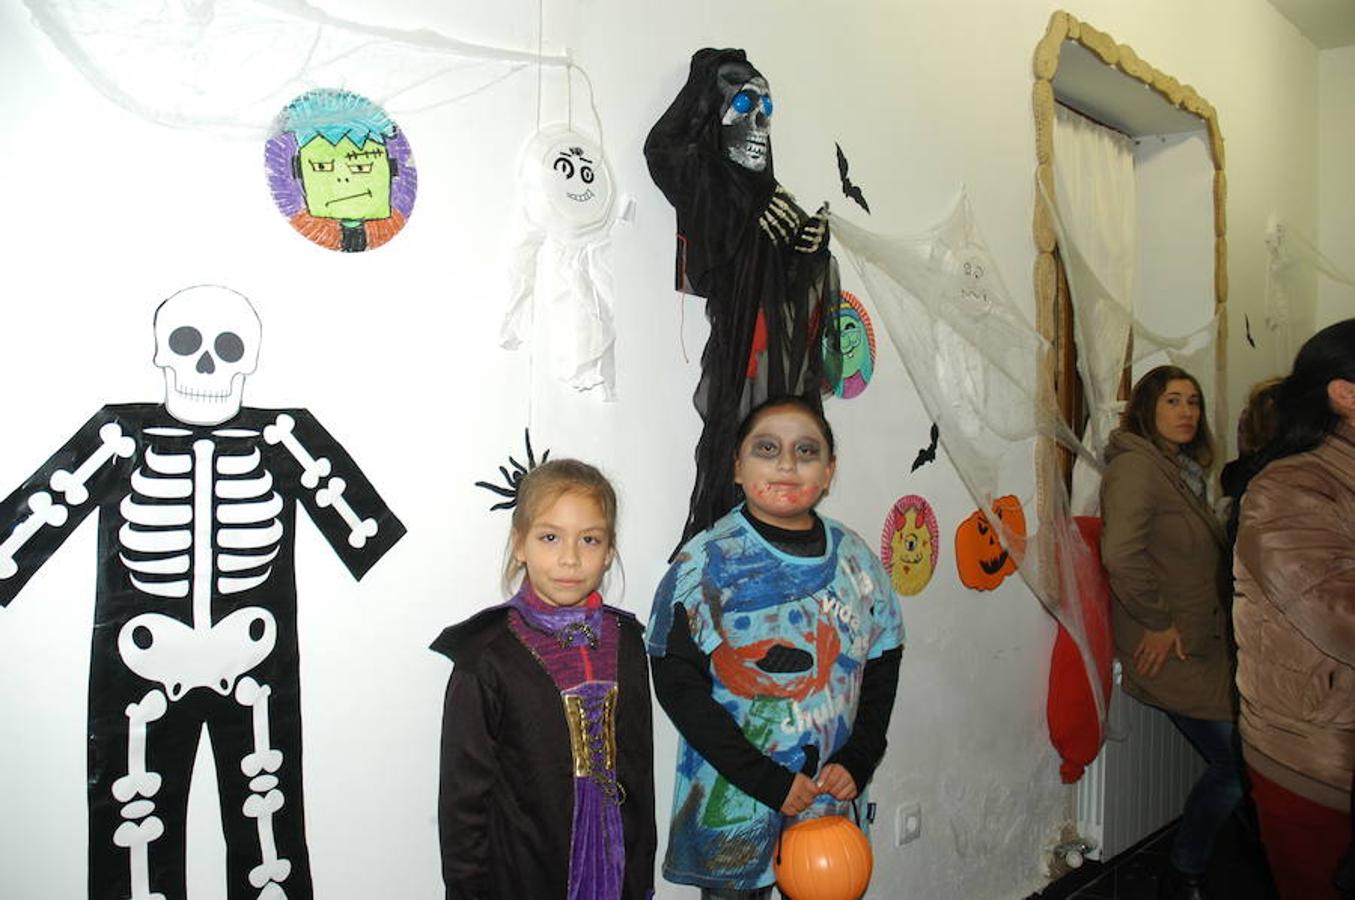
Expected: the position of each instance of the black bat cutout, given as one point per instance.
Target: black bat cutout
(927, 454)
(512, 479)
(1247, 321)
(849, 190)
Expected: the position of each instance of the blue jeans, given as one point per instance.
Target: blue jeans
(1214, 796)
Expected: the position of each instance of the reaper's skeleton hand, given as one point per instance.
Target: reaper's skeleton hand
(785, 223)
(814, 233)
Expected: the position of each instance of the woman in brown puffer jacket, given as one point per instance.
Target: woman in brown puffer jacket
(1162, 549)
(1294, 618)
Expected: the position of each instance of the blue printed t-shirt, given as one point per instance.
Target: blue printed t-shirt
(823, 617)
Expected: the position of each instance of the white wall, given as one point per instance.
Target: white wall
(394, 350)
(1336, 204)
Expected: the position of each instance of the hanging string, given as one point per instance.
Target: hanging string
(682, 326)
(540, 42)
(592, 104)
(531, 353)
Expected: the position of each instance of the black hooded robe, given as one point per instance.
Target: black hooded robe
(745, 275)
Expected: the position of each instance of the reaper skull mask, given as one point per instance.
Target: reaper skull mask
(745, 127)
(206, 342)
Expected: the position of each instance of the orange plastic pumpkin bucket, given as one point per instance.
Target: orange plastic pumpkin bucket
(827, 858)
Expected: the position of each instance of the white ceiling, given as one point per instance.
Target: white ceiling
(1112, 98)
(1327, 23)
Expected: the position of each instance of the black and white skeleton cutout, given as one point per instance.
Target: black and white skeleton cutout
(195, 611)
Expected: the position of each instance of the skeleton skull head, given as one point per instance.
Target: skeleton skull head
(745, 126)
(206, 343)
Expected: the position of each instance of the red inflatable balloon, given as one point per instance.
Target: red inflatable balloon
(823, 859)
(1075, 729)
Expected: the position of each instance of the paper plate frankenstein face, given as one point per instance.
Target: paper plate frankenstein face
(340, 170)
(910, 544)
(856, 339)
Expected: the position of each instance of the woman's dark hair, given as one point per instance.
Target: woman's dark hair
(1304, 413)
(791, 401)
(1256, 425)
(1140, 415)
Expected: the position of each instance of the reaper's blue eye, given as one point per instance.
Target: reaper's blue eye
(742, 102)
(766, 104)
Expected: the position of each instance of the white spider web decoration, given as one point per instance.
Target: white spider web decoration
(229, 65)
(974, 360)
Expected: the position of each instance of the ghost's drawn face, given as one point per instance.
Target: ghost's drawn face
(745, 122)
(569, 162)
(574, 179)
(972, 268)
(344, 181)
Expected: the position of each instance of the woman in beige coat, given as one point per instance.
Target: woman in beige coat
(1162, 549)
(1294, 615)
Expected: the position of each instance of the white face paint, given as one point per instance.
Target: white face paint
(572, 181)
(206, 343)
(745, 128)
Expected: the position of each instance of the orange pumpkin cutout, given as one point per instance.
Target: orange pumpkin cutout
(980, 558)
(823, 859)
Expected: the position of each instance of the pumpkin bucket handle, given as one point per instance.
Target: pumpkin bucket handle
(856, 814)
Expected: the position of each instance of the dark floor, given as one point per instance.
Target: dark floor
(1237, 872)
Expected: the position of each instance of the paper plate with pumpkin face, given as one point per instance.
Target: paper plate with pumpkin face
(910, 544)
(980, 557)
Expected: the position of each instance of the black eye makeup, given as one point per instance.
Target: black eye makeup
(767, 449)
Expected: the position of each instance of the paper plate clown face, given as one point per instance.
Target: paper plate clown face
(910, 544)
(856, 341)
(567, 186)
(340, 170)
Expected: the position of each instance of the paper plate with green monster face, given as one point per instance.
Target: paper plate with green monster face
(856, 340)
(341, 170)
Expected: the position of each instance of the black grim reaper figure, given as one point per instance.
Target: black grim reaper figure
(761, 262)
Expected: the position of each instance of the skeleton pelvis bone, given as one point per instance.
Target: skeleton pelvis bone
(180, 657)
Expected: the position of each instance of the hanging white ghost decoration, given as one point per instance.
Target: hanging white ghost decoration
(567, 197)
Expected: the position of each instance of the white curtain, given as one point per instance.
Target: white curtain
(1094, 193)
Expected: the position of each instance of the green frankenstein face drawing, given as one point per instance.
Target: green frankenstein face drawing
(344, 181)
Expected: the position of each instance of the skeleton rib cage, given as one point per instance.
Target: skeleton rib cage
(202, 520)
(159, 536)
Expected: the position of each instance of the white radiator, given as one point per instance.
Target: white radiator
(1139, 781)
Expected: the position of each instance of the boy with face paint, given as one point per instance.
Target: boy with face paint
(761, 262)
(775, 641)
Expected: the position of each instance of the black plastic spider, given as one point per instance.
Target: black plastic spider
(512, 479)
